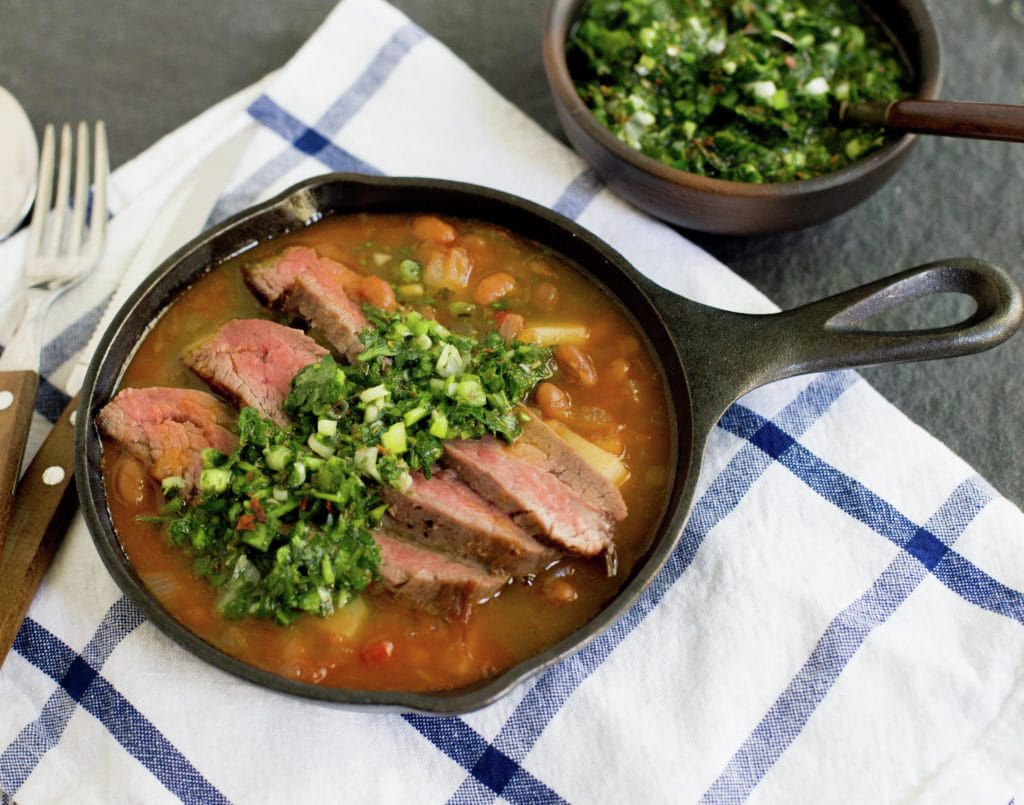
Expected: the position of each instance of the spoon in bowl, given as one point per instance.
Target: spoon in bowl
(19, 160)
(976, 121)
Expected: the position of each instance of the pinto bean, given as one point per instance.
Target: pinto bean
(493, 287)
(378, 293)
(430, 227)
(545, 294)
(509, 324)
(560, 591)
(577, 363)
(480, 249)
(552, 401)
(130, 482)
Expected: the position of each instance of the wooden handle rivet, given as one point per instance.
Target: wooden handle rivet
(53, 475)
(6, 400)
(73, 417)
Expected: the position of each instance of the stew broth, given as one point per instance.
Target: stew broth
(376, 643)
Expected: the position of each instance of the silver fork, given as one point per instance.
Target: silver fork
(60, 251)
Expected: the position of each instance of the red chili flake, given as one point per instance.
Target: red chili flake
(261, 515)
(303, 504)
(790, 62)
(377, 653)
(246, 523)
(330, 507)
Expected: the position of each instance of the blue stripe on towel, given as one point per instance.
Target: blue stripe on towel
(856, 500)
(490, 768)
(578, 195)
(69, 341)
(80, 683)
(315, 140)
(787, 717)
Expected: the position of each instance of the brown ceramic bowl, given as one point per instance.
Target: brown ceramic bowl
(738, 208)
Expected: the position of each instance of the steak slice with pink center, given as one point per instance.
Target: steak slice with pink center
(167, 429)
(533, 497)
(252, 362)
(319, 297)
(315, 288)
(542, 446)
(432, 581)
(443, 511)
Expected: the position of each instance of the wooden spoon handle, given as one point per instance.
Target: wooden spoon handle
(977, 121)
(43, 507)
(17, 401)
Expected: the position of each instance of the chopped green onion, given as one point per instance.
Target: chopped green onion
(297, 477)
(277, 457)
(212, 457)
(374, 393)
(449, 362)
(438, 424)
(171, 483)
(320, 448)
(409, 271)
(214, 480)
(366, 462)
(417, 324)
(461, 308)
(414, 415)
(394, 439)
(327, 427)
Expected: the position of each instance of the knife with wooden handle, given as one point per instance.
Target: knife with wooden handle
(44, 503)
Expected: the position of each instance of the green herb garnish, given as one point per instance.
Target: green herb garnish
(735, 89)
(282, 526)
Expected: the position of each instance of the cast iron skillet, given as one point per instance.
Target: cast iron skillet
(708, 358)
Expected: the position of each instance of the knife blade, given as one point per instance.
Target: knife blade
(44, 503)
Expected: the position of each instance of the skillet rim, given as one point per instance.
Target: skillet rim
(300, 204)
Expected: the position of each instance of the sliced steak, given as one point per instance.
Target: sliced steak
(425, 579)
(252, 362)
(167, 429)
(319, 297)
(316, 288)
(272, 279)
(540, 445)
(443, 511)
(534, 498)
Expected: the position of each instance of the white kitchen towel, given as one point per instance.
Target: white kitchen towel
(841, 621)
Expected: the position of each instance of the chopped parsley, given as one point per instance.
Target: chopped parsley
(281, 527)
(736, 89)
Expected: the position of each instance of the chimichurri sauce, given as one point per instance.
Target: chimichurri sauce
(738, 89)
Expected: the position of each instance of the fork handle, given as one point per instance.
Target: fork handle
(17, 401)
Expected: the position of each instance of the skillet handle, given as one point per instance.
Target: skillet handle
(728, 354)
(832, 333)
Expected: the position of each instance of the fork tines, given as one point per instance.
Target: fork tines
(59, 230)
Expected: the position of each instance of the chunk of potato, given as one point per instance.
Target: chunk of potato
(349, 621)
(608, 465)
(551, 335)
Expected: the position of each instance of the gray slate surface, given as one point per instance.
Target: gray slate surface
(148, 67)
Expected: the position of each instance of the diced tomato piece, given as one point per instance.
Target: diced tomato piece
(377, 653)
(246, 523)
(257, 509)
